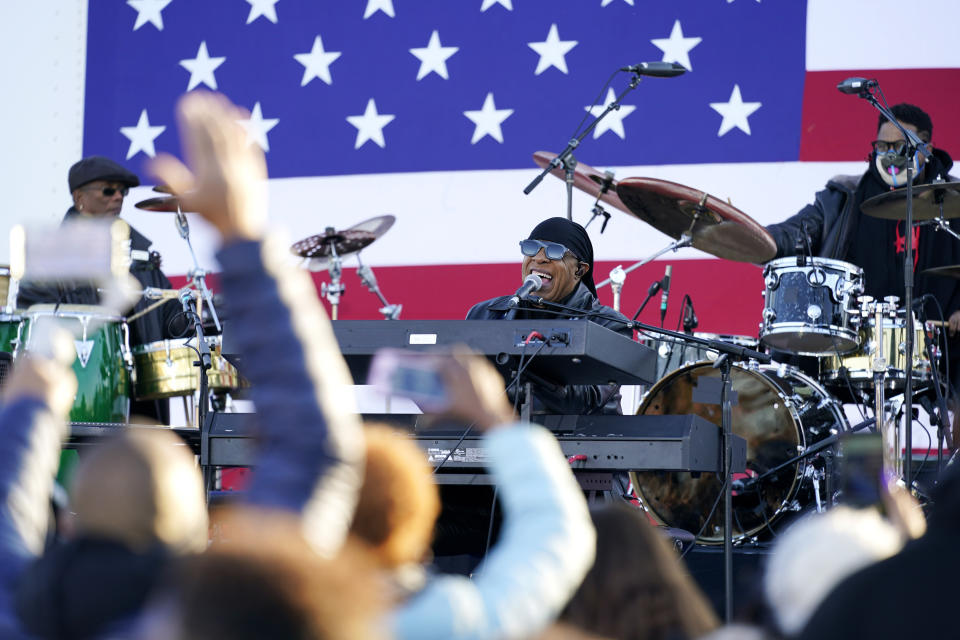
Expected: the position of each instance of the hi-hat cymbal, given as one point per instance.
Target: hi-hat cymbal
(718, 228)
(951, 271)
(929, 201)
(585, 178)
(162, 204)
(343, 242)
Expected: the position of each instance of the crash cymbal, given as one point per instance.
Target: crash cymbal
(585, 178)
(928, 202)
(951, 271)
(163, 204)
(343, 242)
(720, 229)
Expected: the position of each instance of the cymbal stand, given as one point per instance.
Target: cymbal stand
(888, 429)
(197, 275)
(685, 240)
(617, 277)
(335, 289)
(389, 311)
(940, 223)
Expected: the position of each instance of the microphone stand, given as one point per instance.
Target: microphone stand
(570, 165)
(914, 144)
(197, 275)
(205, 359)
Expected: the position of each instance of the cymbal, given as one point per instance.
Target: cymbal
(585, 178)
(162, 204)
(162, 188)
(344, 242)
(720, 229)
(950, 271)
(928, 199)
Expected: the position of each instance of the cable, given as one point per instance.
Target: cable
(576, 132)
(706, 522)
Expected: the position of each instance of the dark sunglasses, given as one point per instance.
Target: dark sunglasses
(882, 146)
(109, 192)
(553, 250)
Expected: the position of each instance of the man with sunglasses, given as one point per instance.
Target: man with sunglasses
(560, 252)
(98, 186)
(834, 227)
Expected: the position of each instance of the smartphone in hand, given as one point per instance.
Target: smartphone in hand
(410, 374)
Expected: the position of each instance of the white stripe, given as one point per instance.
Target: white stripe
(470, 217)
(882, 34)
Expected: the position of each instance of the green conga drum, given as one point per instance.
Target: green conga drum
(103, 361)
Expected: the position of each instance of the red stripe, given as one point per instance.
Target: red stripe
(839, 128)
(727, 296)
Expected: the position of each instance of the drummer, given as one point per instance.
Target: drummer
(834, 226)
(560, 252)
(98, 186)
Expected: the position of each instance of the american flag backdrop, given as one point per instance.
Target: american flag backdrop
(430, 110)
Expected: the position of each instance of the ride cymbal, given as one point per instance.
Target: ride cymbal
(716, 227)
(344, 242)
(930, 201)
(162, 204)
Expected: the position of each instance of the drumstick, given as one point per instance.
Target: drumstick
(938, 323)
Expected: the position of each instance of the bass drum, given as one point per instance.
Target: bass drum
(779, 411)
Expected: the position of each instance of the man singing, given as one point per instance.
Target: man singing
(560, 252)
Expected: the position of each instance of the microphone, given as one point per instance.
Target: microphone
(690, 321)
(185, 295)
(656, 69)
(531, 283)
(666, 292)
(856, 86)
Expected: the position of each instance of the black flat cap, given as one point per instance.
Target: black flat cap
(99, 168)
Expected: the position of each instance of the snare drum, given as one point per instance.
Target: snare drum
(893, 349)
(102, 363)
(779, 411)
(166, 369)
(810, 309)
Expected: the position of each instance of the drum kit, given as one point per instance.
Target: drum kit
(791, 418)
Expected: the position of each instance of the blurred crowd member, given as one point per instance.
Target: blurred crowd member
(310, 453)
(139, 503)
(816, 553)
(33, 411)
(397, 509)
(546, 543)
(637, 589)
(909, 595)
(266, 581)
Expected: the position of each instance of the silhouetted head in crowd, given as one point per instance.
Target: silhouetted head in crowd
(638, 587)
(816, 553)
(267, 582)
(141, 488)
(399, 502)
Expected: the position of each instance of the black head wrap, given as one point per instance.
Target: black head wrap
(573, 237)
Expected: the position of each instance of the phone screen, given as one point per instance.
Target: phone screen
(861, 469)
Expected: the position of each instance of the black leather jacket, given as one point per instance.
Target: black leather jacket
(570, 399)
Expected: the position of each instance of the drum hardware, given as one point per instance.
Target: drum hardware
(389, 311)
(326, 251)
